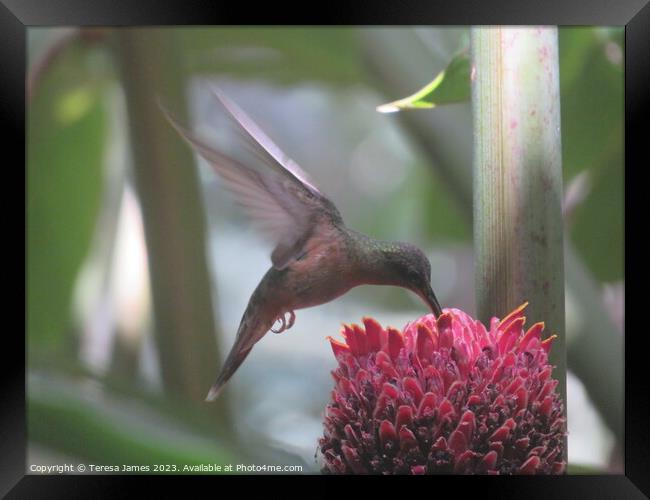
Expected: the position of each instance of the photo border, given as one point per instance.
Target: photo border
(17, 15)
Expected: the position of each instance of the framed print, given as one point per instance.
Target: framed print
(382, 242)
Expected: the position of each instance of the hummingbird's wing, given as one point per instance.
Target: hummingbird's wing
(278, 196)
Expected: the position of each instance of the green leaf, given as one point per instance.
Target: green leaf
(66, 132)
(449, 86)
(114, 434)
(592, 99)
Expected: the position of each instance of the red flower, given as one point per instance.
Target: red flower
(444, 396)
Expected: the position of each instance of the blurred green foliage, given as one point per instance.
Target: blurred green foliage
(66, 137)
(84, 430)
(591, 78)
(279, 55)
(450, 223)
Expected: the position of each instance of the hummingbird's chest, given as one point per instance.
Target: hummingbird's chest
(323, 274)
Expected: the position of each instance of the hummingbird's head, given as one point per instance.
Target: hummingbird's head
(409, 268)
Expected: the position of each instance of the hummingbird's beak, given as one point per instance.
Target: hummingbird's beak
(430, 299)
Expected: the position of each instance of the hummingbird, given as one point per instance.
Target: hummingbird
(316, 257)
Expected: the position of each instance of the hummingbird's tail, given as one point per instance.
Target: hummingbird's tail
(235, 358)
(252, 328)
(255, 323)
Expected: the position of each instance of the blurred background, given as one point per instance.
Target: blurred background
(140, 265)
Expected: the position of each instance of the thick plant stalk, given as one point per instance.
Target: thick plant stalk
(518, 226)
(173, 217)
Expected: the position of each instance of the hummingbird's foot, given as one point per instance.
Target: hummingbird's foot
(285, 326)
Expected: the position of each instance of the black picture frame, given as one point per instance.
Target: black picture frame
(17, 15)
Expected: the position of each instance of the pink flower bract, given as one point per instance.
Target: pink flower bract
(446, 396)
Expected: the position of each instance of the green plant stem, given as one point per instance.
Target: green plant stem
(518, 226)
(173, 216)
